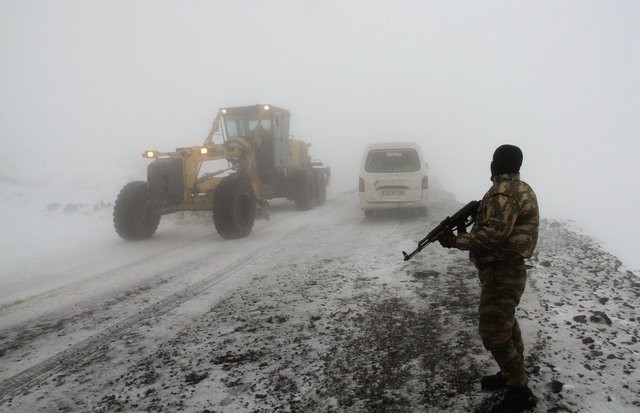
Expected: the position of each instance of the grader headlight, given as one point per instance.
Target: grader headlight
(266, 107)
(150, 154)
(204, 151)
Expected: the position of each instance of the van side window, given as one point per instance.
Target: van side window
(392, 160)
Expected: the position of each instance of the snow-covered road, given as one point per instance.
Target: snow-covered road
(314, 311)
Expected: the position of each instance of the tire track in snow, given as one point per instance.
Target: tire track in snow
(94, 344)
(17, 332)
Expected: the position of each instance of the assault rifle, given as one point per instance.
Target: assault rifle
(459, 222)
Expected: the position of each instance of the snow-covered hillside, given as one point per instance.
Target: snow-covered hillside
(314, 311)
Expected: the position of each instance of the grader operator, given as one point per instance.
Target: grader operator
(263, 162)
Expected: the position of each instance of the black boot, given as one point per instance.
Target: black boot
(515, 400)
(493, 382)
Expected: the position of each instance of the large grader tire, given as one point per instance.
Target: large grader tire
(133, 217)
(234, 207)
(321, 187)
(305, 188)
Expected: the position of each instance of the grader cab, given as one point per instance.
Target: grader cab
(262, 162)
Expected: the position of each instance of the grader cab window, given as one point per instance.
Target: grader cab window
(246, 126)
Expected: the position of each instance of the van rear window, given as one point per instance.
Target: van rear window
(392, 160)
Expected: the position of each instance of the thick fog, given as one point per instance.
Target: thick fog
(88, 86)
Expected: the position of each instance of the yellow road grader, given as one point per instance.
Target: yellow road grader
(262, 162)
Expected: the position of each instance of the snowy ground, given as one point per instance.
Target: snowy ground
(314, 311)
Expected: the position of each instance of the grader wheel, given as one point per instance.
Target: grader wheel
(234, 207)
(305, 198)
(321, 187)
(133, 217)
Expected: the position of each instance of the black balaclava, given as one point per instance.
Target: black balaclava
(507, 159)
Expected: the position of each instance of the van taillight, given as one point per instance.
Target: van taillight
(361, 185)
(425, 182)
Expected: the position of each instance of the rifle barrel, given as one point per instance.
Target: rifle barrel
(458, 222)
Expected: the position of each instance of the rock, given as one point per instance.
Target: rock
(556, 386)
(580, 318)
(53, 207)
(587, 340)
(195, 378)
(600, 317)
(426, 274)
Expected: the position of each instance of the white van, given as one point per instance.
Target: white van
(393, 176)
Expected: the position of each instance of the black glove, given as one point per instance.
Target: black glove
(447, 239)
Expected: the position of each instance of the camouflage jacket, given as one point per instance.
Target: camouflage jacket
(506, 224)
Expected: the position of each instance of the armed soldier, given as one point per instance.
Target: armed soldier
(504, 234)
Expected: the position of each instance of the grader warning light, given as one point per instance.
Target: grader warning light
(150, 154)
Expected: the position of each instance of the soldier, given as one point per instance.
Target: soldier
(504, 234)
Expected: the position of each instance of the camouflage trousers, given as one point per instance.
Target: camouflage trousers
(502, 287)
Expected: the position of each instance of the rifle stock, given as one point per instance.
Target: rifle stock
(459, 222)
